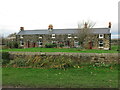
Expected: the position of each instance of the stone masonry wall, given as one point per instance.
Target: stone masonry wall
(33, 39)
(83, 57)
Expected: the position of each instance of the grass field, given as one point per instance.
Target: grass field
(113, 50)
(85, 77)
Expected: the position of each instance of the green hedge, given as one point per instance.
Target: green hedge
(61, 45)
(50, 45)
(12, 44)
(5, 55)
(5, 58)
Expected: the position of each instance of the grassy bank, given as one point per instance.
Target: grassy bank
(76, 50)
(90, 77)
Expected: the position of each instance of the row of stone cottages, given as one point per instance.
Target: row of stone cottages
(101, 38)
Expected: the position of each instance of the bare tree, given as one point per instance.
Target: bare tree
(12, 35)
(10, 41)
(85, 32)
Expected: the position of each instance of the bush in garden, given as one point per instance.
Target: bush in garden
(58, 62)
(50, 45)
(15, 45)
(9, 45)
(61, 45)
(5, 57)
(12, 44)
(26, 61)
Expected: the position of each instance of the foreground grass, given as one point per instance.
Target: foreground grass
(74, 50)
(53, 78)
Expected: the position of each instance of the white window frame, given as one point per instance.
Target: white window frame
(101, 43)
(106, 48)
(101, 36)
(40, 37)
(39, 42)
(100, 47)
(69, 36)
(76, 43)
(21, 36)
(75, 37)
(21, 43)
(53, 35)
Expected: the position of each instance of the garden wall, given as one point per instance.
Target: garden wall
(81, 57)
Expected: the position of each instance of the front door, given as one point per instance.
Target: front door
(28, 44)
(68, 43)
(33, 44)
(90, 45)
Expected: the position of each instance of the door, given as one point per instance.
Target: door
(33, 44)
(90, 45)
(28, 44)
(68, 43)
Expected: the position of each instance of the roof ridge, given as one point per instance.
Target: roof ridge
(64, 29)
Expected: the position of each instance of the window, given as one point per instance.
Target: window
(75, 37)
(40, 43)
(53, 35)
(54, 42)
(21, 36)
(40, 36)
(76, 43)
(69, 36)
(21, 43)
(101, 44)
(101, 35)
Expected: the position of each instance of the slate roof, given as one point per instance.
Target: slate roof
(62, 31)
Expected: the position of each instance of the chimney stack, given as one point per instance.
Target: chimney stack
(21, 28)
(109, 25)
(50, 26)
(85, 25)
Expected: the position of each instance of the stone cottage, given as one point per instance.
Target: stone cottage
(101, 38)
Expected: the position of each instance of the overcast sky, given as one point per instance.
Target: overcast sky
(38, 14)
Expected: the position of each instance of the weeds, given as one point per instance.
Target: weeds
(58, 62)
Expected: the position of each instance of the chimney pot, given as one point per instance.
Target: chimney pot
(85, 25)
(50, 26)
(21, 28)
(109, 25)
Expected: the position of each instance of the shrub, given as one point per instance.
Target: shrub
(12, 44)
(61, 45)
(58, 62)
(9, 44)
(15, 45)
(18, 62)
(50, 45)
(5, 57)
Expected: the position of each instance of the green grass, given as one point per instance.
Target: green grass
(114, 47)
(72, 50)
(85, 77)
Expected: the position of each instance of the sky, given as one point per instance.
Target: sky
(38, 14)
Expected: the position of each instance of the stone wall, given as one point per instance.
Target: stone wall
(33, 40)
(82, 57)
